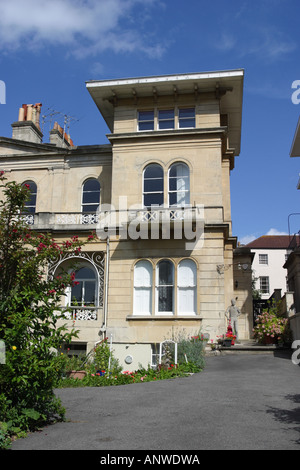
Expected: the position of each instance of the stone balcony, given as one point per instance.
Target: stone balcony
(116, 220)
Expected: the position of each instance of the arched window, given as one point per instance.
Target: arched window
(179, 185)
(153, 185)
(187, 287)
(90, 195)
(30, 204)
(164, 287)
(84, 290)
(142, 288)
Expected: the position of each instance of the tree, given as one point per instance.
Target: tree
(29, 312)
(256, 294)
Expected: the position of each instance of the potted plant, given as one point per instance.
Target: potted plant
(230, 338)
(74, 366)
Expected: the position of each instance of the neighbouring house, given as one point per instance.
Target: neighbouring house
(270, 255)
(158, 195)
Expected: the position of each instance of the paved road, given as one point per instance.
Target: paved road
(238, 402)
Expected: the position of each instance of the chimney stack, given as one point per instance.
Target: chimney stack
(27, 127)
(59, 138)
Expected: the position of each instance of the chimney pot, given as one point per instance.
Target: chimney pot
(29, 112)
(27, 127)
(21, 114)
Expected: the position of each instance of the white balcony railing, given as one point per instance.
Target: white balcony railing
(165, 214)
(82, 313)
(75, 220)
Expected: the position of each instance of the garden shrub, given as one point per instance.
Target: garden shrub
(192, 350)
(29, 311)
(270, 324)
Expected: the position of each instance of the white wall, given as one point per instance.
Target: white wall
(274, 269)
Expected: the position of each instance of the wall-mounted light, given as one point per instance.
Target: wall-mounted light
(244, 267)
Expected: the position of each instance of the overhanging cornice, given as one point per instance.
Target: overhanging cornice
(227, 86)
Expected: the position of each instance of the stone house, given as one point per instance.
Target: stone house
(158, 195)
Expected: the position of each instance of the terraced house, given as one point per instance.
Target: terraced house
(158, 195)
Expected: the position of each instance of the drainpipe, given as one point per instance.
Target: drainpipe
(106, 286)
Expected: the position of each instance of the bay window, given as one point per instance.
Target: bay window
(174, 289)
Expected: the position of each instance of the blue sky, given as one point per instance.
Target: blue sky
(49, 49)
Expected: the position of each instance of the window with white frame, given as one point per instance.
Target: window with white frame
(30, 204)
(164, 295)
(187, 287)
(168, 300)
(146, 120)
(142, 303)
(263, 259)
(155, 354)
(179, 185)
(90, 195)
(84, 289)
(186, 118)
(166, 119)
(264, 284)
(153, 185)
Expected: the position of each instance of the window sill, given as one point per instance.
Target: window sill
(167, 133)
(162, 317)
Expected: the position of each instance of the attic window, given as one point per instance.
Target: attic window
(166, 119)
(186, 118)
(146, 121)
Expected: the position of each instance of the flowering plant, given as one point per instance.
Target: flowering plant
(271, 326)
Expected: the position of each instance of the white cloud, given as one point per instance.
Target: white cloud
(274, 231)
(258, 39)
(247, 239)
(226, 42)
(84, 27)
(269, 44)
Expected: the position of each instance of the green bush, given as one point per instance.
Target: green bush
(192, 350)
(29, 311)
(126, 377)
